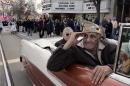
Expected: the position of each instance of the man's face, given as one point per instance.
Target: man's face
(67, 35)
(90, 41)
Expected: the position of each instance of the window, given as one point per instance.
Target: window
(123, 52)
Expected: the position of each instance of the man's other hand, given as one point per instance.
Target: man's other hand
(99, 74)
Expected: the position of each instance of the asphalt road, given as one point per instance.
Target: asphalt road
(11, 45)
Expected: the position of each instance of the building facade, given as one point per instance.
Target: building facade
(77, 8)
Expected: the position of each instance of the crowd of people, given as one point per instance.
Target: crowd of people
(47, 26)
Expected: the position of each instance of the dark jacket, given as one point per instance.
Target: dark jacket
(60, 42)
(108, 30)
(61, 58)
(49, 26)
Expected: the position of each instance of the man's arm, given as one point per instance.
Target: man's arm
(61, 59)
(65, 55)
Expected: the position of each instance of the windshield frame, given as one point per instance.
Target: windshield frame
(122, 25)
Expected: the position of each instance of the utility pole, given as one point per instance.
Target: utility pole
(122, 15)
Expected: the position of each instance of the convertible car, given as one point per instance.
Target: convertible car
(35, 55)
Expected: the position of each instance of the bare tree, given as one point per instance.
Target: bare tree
(30, 8)
(5, 5)
(16, 7)
(97, 5)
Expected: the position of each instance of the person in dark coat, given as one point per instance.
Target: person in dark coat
(41, 27)
(1, 26)
(91, 51)
(104, 22)
(97, 21)
(29, 27)
(66, 35)
(48, 25)
(70, 23)
(57, 27)
(62, 26)
(108, 30)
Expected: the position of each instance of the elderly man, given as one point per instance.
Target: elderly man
(92, 51)
(66, 35)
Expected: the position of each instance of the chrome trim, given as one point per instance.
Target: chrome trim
(5, 66)
(115, 75)
(120, 78)
(116, 56)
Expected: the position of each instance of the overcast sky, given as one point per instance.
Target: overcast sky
(38, 10)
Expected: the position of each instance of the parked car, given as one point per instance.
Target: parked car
(5, 23)
(35, 55)
(5, 27)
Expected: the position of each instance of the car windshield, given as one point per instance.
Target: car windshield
(123, 61)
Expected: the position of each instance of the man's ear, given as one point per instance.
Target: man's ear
(99, 36)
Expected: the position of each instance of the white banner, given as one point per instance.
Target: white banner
(67, 7)
(46, 6)
(89, 7)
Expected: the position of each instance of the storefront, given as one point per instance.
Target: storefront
(85, 8)
(89, 9)
(60, 8)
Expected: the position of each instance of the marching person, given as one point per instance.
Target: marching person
(93, 51)
(1, 26)
(41, 27)
(13, 27)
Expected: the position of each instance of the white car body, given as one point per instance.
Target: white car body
(34, 56)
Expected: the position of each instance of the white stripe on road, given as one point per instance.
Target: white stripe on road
(11, 61)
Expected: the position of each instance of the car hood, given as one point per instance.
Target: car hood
(46, 42)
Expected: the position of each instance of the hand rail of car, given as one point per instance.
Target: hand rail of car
(49, 48)
(6, 67)
(46, 47)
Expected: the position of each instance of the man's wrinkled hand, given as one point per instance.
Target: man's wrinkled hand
(99, 74)
(73, 39)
